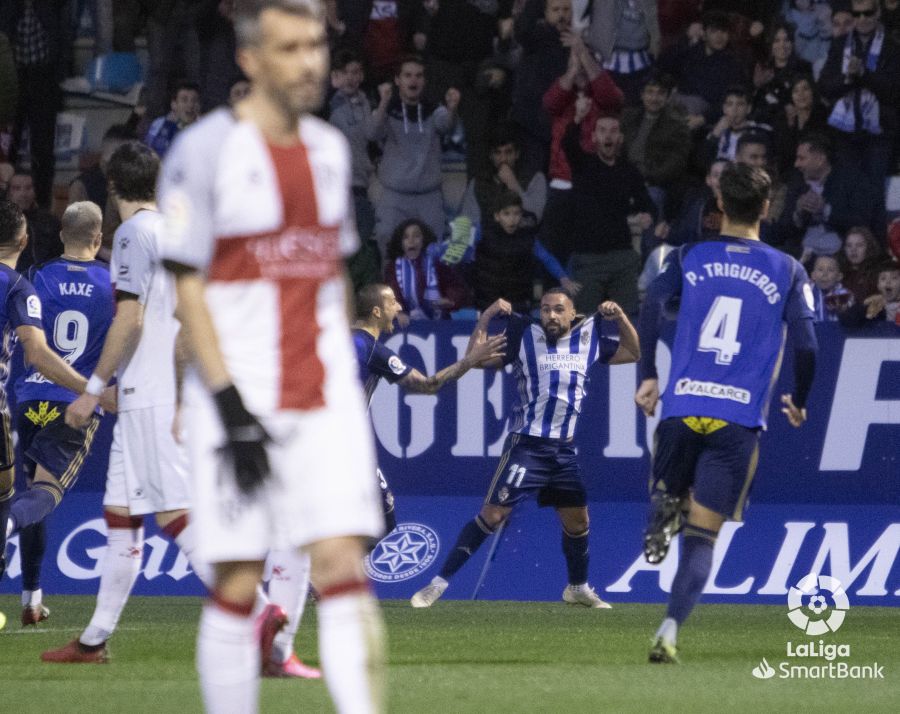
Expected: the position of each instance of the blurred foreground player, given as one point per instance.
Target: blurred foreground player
(259, 220)
(376, 309)
(550, 361)
(77, 299)
(147, 470)
(736, 295)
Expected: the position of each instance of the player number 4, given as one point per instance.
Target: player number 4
(720, 329)
(515, 475)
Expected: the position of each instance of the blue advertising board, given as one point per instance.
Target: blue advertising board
(826, 497)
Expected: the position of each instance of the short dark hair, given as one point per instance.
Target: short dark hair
(751, 137)
(560, 290)
(395, 244)
(506, 198)
(887, 266)
(744, 191)
(345, 56)
(716, 20)
(11, 220)
(181, 86)
(663, 80)
(132, 172)
(368, 297)
(736, 90)
(408, 59)
(818, 143)
(502, 134)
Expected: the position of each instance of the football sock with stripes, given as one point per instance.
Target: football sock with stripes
(35, 504)
(32, 544)
(575, 548)
(184, 534)
(288, 587)
(228, 657)
(697, 546)
(470, 538)
(120, 569)
(351, 647)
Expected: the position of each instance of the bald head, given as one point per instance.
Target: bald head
(81, 225)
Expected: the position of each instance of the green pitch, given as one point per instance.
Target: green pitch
(469, 657)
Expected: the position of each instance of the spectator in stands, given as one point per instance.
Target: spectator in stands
(883, 304)
(607, 189)
(700, 217)
(862, 77)
(409, 130)
(704, 68)
(238, 90)
(721, 142)
(890, 16)
(657, 138)
(803, 114)
(584, 81)
(841, 25)
(823, 201)
(860, 256)
(426, 287)
(546, 40)
(217, 71)
(626, 34)
(40, 47)
(506, 257)
(773, 76)
(812, 34)
(184, 109)
(507, 174)
(830, 298)
(91, 185)
(43, 227)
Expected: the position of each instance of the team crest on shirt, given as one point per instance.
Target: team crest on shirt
(404, 553)
(123, 242)
(503, 494)
(585, 337)
(33, 306)
(396, 365)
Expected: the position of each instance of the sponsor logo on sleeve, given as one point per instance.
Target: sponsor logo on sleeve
(396, 365)
(33, 306)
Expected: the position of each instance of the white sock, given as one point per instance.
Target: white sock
(182, 531)
(288, 587)
(32, 598)
(668, 630)
(227, 661)
(121, 567)
(351, 649)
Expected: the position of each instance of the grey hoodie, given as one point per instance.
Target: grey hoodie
(353, 116)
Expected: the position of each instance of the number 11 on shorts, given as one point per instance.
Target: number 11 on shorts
(515, 475)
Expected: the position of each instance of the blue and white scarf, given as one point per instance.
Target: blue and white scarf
(858, 110)
(406, 272)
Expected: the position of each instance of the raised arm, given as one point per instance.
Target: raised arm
(629, 349)
(491, 349)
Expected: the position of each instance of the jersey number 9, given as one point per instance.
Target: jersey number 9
(70, 334)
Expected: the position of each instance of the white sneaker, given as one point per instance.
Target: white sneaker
(430, 594)
(584, 595)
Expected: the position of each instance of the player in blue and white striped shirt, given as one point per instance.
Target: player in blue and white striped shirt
(550, 361)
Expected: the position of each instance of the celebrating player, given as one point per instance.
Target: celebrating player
(147, 468)
(77, 299)
(736, 294)
(550, 361)
(257, 201)
(376, 309)
(21, 313)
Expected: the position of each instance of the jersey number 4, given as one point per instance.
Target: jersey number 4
(720, 329)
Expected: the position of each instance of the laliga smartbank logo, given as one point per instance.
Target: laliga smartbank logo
(817, 604)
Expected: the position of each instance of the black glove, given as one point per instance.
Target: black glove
(245, 448)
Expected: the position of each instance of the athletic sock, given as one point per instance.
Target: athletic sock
(693, 571)
(469, 540)
(228, 658)
(6, 495)
(351, 647)
(35, 504)
(668, 631)
(288, 587)
(32, 544)
(121, 567)
(32, 598)
(185, 536)
(575, 548)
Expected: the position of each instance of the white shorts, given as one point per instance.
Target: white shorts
(320, 486)
(147, 467)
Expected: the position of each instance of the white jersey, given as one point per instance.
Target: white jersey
(147, 377)
(268, 226)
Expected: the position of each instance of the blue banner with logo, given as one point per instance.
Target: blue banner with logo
(826, 497)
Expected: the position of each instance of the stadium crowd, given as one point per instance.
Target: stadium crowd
(592, 134)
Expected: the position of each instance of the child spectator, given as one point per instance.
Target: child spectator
(830, 297)
(505, 258)
(426, 287)
(861, 255)
(881, 306)
(722, 140)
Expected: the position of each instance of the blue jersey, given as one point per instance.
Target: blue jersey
(19, 306)
(77, 299)
(551, 375)
(376, 361)
(736, 298)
